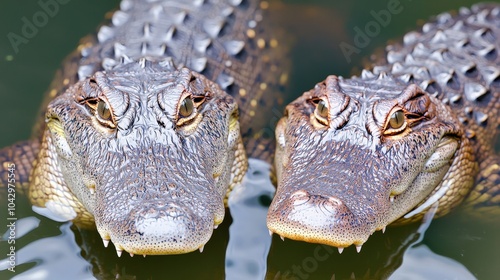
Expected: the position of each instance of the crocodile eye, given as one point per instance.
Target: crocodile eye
(321, 111)
(103, 113)
(397, 119)
(187, 107)
(103, 110)
(397, 122)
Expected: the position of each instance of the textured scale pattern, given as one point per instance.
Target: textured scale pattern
(113, 147)
(456, 59)
(346, 166)
(230, 46)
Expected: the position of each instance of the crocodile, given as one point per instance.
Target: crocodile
(141, 130)
(416, 129)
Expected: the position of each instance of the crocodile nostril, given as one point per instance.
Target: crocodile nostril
(300, 197)
(299, 193)
(335, 201)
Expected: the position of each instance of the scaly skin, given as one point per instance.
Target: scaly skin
(141, 135)
(355, 155)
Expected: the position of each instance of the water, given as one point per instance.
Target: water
(454, 247)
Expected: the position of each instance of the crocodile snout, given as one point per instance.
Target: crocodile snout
(317, 219)
(157, 230)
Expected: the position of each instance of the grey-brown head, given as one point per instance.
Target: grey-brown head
(151, 152)
(356, 155)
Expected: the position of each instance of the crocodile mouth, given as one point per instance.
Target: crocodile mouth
(158, 230)
(345, 212)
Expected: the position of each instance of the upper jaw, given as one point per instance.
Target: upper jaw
(304, 211)
(158, 230)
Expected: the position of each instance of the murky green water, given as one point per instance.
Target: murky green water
(52, 250)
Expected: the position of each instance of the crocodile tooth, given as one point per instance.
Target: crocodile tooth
(358, 248)
(119, 252)
(92, 189)
(201, 248)
(282, 237)
(131, 254)
(341, 249)
(106, 242)
(216, 226)
(143, 255)
(383, 229)
(270, 233)
(391, 198)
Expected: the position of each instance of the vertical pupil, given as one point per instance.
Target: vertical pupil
(397, 119)
(322, 110)
(186, 108)
(103, 110)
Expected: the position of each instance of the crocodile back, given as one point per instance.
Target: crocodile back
(228, 41)
(456, 58)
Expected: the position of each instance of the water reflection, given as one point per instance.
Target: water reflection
(419, 262)
(49, 257)
(249, 240)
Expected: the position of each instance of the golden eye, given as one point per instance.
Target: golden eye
(397, 119)
(321, 109)
(103, 111)
(186, 108)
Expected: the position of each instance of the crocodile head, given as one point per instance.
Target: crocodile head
(355, 155)
(150, 153)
